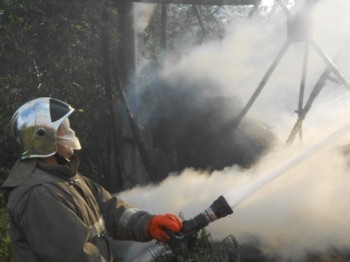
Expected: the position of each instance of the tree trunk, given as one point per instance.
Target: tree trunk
(126, 59)
(113, 181)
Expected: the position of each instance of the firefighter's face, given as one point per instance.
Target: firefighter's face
(66, 141)
(64, 151)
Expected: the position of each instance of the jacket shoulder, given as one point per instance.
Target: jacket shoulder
(38, 180)
(20, 172)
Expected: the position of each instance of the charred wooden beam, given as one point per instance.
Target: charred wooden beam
(200, 20)
(163, 25)
(191, 2)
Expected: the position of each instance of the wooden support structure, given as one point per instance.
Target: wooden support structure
(200, 20)
(191, 2)
(126, 65)
(163, 24)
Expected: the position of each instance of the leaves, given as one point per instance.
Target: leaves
(50, 48)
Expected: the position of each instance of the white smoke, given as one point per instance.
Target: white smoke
(142, 14)
(240, 61)
(306, 209)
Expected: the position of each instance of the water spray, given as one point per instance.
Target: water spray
(238, 195)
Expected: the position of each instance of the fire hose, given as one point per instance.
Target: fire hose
(218, 209)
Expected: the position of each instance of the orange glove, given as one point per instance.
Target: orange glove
(157, 224)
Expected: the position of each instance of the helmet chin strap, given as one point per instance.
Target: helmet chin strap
(61, 160)
(73, 162)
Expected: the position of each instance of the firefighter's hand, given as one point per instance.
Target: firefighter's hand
(158, 225)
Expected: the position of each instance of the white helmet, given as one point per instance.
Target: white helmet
(35, 126)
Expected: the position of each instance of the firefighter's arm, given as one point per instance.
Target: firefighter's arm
(125, 222)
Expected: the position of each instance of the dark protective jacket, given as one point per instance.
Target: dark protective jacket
(55, 214)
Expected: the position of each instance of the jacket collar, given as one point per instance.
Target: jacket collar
(65, 171)
(23, 170)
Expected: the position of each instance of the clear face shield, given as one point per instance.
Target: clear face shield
(66, 136)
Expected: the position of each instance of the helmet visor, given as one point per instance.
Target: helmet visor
(66, 136)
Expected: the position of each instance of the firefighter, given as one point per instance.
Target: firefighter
(55, 213)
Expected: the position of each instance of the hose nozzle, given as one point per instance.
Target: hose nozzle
(218, 209)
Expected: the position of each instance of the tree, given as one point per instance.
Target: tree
(52, 48)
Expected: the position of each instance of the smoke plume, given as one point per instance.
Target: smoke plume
(306, 209)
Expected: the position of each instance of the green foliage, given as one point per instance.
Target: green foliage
(183, 30)
(5, 243)
(53, 48)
